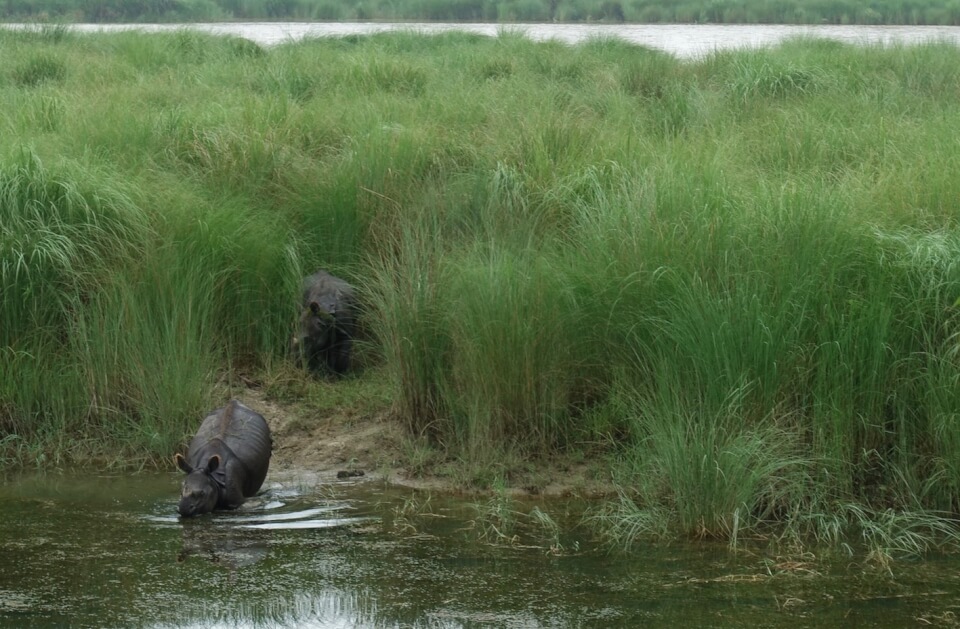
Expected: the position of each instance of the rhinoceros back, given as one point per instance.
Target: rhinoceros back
(246, 436)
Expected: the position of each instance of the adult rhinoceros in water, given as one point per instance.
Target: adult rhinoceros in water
(226, 461)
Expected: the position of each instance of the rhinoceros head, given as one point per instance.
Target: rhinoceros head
(317, 324)
(199, 492)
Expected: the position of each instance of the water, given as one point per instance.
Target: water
(109, 552)
(683, 40)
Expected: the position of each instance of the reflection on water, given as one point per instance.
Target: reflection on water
(225, 538)
(222, 545)
(683, 40)
(109, 552)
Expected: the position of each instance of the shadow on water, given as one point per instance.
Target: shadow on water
(110, 552)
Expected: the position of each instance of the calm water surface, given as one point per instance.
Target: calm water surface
(109, 552)
(684, 40)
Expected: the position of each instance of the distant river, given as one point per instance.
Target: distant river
(683, 40)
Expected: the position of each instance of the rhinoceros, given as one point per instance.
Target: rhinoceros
(226, 461)
(327, 324)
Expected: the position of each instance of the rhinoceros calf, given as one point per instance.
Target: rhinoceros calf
(327, 324)
(226, 461)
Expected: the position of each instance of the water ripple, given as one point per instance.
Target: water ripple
(306, 524)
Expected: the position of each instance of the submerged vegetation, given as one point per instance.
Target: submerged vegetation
(940, 12)
(732, 281)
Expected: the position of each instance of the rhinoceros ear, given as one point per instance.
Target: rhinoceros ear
(213, 463)
(182, 463)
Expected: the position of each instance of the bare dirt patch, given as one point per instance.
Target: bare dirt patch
(330, 442)
(319, 444)
(322, 445)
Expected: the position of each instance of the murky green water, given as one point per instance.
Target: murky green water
(109, 552)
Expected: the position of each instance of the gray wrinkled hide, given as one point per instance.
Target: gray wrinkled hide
(324, 340)
(241, 437)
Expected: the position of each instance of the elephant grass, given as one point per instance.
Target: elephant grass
(738, 272)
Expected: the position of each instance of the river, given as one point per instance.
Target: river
(109, 551)
(683, 40)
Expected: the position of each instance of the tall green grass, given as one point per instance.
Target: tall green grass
(113, 323)
(737, 272)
